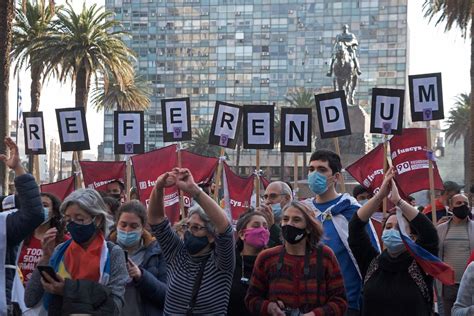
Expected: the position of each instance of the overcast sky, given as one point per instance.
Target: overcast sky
(431, 50)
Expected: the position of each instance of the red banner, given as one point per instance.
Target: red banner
(237, 192)
(368, 170)
(410, 159)
(61, 188)
(265, 182)
(149, 166)
(97, 174)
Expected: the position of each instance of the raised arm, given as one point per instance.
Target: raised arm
(156, 207)
(185, 181)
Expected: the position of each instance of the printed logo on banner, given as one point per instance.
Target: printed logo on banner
(72, 128)
(426, 97)
(35, 143)
(296, 129)
(225, 125)
(387, 111)
(176, 119)
(129, 132)
(259, 123)
(333, 116)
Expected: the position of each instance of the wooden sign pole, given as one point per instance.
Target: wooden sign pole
(430, 171)
(385, 168)
(257, 178)
(129, 177)
(295, 173)
(219, 175)
(181, 202)
(338, 152)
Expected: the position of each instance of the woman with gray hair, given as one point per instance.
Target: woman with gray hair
(200, 266)
(86, 274)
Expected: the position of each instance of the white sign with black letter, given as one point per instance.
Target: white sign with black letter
(387, 111)
(35, 142)
(296, 129)
(426, 97)
(333, 117)
(176, 119)
(259, 122)
(72, 129)
(129, 132)
(225, 125)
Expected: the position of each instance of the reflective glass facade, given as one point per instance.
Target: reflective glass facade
(245, 52)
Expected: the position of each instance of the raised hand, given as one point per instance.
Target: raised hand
(387, 182)
(166, 180)
(13, 159)
(185, 181)
(49, 242)
(394, 195)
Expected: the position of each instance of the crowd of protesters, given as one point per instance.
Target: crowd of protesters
(98, 254)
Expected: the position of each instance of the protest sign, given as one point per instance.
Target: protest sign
(129, 132)
(72, 128)
(176, 119)
(296, 129)
(225, 125)
(333, 116)
(258, 128)
(97, 174)
(368, 170)
(237, 193)
(60, 189)
(426, 97)
(35, 143)
(386, 116)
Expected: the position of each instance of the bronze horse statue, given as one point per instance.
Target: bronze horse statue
(345, 73)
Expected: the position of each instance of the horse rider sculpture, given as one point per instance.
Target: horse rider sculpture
(349, 40)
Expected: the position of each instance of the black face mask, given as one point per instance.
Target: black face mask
(461, 211)
(293, 234)
(194, 244)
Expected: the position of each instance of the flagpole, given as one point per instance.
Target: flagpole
(17, 105)
(338, 152)
(385, 168)
(257, 178)
(430, 172)
(218, 175)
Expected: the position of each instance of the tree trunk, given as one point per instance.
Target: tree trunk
(6, 20)
(35, 94)
(117, 157)
(471, 162)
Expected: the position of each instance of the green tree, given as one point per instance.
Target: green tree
(461, 14)
(32, 22)
(200, 143)
(83, 45)
(459, 127)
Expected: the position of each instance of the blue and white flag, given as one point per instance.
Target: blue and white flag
(20, 109)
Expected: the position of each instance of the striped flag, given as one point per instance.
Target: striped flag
(20, 109)
(430, 264)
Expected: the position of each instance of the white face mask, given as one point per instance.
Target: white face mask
(362, 202)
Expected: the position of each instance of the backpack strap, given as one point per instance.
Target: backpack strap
(196, 286)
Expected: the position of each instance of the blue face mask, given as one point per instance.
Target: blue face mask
(45, 214)
(392, 240)
(317, 183)
(194, 244)
(81, 233)
(276, 209)
(362, 202)
(128, 239)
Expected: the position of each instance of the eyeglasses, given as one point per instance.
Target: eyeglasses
(193, 228)
(271, 196)
(66, 220)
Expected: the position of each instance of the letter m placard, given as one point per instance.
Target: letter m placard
(426, 97)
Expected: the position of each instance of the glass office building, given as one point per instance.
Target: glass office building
(254, 52)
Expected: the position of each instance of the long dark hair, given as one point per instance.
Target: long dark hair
(242, 222)
(54, 221)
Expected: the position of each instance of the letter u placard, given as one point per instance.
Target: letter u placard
(386, 115)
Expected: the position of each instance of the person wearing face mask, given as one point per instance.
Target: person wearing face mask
(456, 242)
(253, 236)
(31, 249)
(276, 196)
(334, 211)
(361, 194)
(301, 277)
(201, 266)
(116, 189)
(394, 284)
(90, 273)
(146, 289)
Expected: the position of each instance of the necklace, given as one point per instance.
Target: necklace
(243, 279)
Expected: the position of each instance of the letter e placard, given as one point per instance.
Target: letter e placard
(72, 128)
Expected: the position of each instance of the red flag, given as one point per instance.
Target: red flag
(265, 182)
(410, 159)
(98, 173)
(202, 167)
(61, 188)
(368, 170)
(237, 192)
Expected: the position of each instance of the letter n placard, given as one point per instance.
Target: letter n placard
(258, 127)
(296, 129)
(72, 128)
(176, 119)
(35, 143)
(426, 97)
(386, 115)
(129, 132)
(333, 117)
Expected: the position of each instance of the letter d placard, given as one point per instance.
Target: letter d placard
(333, 116)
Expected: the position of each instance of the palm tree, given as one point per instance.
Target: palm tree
(304, 98)
(133, 95)
(84, 45)
(31, 23)
(200, 143)
(457, 13)
(459, 127)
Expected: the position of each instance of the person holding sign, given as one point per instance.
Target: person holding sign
(334, 211)
(203, 263)
(15, 225)
(301, 277)
(394, 283)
